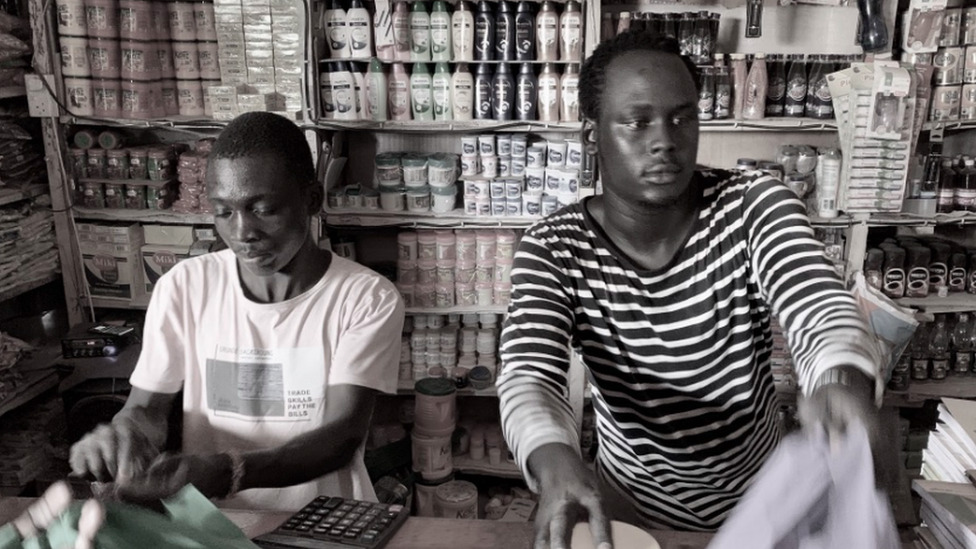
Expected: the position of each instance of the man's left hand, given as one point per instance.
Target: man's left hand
(210, 474)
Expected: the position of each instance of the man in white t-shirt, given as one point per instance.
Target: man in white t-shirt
(279, 347)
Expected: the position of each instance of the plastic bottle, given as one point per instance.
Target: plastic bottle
(706, 93)
(325, 90)
(385, 51)
(526, 93)
(420, 93)
(399, 93)
(359, 84)
(549, 83)
(484, 31)
(482, 92)
(376, 91)
(932, 173)
(569, 94)
(754, 105)
(505, 31)
(919, 349)
(343, 91)
(828, 183)
(796, 88)
(524, 31)
(360, 32)
(441, 87)
(962, 345)
(723, 93)
(740, 74)
(503, 93)
(547, 32)
(776, 92)
(419, 32)
(462, 31)
(337, 30)
(945, 196)
(440, 32)
(401, 31)
(462, 92)
(965, 191)
(571, 32)
(939, 348)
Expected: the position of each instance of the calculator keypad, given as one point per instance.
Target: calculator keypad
(340, 522)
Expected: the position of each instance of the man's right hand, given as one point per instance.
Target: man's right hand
(568, 494)
(113, 451)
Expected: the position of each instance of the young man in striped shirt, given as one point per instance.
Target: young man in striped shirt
(666, 285)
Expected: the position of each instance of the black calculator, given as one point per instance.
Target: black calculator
(337, 523)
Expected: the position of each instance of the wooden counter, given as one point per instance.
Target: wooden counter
(418, 532)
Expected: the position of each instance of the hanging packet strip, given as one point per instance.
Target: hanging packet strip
(892, 105)
(923, 26)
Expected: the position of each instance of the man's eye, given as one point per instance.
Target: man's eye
(638, 124)
(681, 119)
(221, 213)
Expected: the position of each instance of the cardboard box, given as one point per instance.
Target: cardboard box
(158, 260)
(168, 235)
(113, 274)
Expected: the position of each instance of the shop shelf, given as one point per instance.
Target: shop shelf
(953, 303)
(455, 220)
(28, 285)
(142, 216)
(505, 469)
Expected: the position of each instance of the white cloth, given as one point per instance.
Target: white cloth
(256, 375)
(810, 495)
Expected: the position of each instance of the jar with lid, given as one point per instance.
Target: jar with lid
(159, 195)
(135, 196)
(114, 194)
(117, 164)
(92, 194)
(159, 163)
(746, 164)
(96, 163)
(79, 162)
(138, 157)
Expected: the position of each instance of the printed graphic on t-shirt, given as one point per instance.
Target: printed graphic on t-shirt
(284, 384)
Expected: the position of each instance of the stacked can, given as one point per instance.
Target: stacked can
(450, 346)
(954, 91)
(440, 269)
(136, 58)
(435, 416)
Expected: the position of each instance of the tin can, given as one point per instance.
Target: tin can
(951, 26)
(949, 66)
(969, 66)
(968, 26)
(945, 103)
(967, 103)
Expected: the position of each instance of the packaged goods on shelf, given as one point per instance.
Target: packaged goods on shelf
(112, 261)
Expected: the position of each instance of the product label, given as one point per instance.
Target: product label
(957, 279)
(961, 362)
(937, 276)
(723, 101)
(401, 33)
(439, 34)
(420, 33)
(483, 99)
(777, 89)
(502, 35)
(940, 368)
(399, 97)
(442, 98)
(462, 29)
(526, 95)
(894, 283)
(336, 32)
(873, 278)
(918, 282)
(483, 34)
(503, 97)
(796, 89)
(920, 368)
(524, 36)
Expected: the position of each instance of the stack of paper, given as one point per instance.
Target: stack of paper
(949, 511)
(951, 448)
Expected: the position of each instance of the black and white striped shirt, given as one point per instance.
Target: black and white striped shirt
(678, 357)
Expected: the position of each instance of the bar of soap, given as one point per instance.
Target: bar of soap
(625, 536)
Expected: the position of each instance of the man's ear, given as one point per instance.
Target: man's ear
(589, 136)
(316, 196)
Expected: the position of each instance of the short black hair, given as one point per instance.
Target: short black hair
(255, 134)
(593, 74)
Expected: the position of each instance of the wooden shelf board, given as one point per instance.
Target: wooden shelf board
(405, 387)
(28, 286)
(461, 126)
(953, 303)
(6, 92)
(464, 464)
(455, 219)
(950, 387)
(497, 309)
(35, 383)
(118, 303)
(142, 216)
(768, 124)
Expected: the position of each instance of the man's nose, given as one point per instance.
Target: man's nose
(661, 139)
(243, 227)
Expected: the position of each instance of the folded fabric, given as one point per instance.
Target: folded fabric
(191, 521)
(811, 494)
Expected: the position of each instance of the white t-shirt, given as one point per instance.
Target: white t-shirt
(256, 375)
